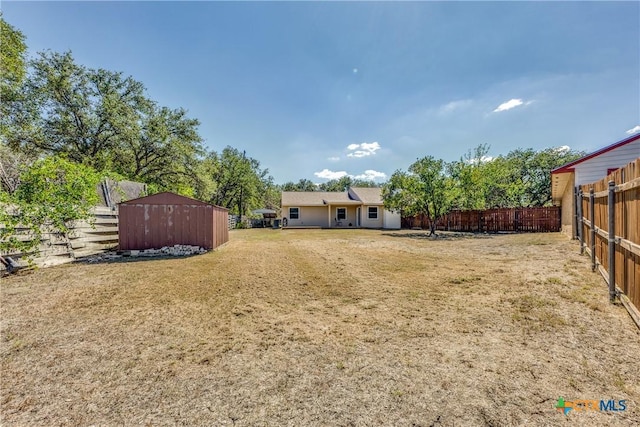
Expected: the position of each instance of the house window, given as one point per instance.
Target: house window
(373, 212)
(341, 213)
(294, 213)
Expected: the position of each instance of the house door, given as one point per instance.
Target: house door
(358, 217)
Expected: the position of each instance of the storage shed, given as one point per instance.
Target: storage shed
(167, 219)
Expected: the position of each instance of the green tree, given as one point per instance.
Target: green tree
(12, 65)
(105, 120)
(301, 185)
(343, 184)
(535, 171)
(238, 182)
(471, 180)
(165, 151)
(424, 189)
(13, 121)
(53, 193)
(520, 178)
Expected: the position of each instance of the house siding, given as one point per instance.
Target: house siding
(351, 215)
(391, 220)
(595, 169)
(371, 223)
(568, 207)
(310, 216)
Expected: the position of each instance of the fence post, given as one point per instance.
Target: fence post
(580, 222)
(575, 213)
(612, 241)
(592, 231)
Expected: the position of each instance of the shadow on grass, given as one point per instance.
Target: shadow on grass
(130, 259)
(440, 235)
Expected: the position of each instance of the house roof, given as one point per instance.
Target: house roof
(316, 198)
(570, 167)
(368, 195)
(355, 196)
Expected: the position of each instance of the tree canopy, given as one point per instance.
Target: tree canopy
(424, 189)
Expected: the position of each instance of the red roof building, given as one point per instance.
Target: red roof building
(590, 168)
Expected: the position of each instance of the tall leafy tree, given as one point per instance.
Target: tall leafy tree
(301, 185)
(238, 181)
(81, 113)
(342, 184)
(521, 178)
(13, 121)
(165, 151)
(12, 71)
(424, 189)
(471, 180)
(104, 119)
(535, 168)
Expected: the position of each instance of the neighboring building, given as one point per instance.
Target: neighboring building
(355, 208)
(588, 169)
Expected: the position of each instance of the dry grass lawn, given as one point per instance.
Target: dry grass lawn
(321, 328)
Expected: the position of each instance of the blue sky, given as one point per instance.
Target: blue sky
(318, 90)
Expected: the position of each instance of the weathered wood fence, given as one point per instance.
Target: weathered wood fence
(534, 220)
(84, 239)
(608, 214)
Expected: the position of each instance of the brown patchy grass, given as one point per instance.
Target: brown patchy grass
(320, 327)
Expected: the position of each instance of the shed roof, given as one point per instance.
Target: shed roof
(167, 198)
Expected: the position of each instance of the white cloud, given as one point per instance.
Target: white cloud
(483, 159)
(454, 105)
(371, 175)
(512, 103)
(562, 149)
(363, 150)
(333, 159)
(327, 174)
(634, 130)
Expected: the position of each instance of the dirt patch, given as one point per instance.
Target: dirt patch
(321, 327)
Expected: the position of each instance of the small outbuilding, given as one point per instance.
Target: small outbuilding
(167, 219)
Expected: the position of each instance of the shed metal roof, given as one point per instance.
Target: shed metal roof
(167, 198)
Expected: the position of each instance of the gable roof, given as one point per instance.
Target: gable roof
(353, 196)
(569, 167)
(368, 195)
(316, 198)
(167, 198)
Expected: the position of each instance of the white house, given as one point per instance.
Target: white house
(355, 208)
(588, 169)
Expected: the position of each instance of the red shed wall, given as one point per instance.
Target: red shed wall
(220, 226)
(147, 226)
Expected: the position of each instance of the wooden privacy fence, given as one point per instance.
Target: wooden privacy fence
(535, 220)
(84, 239)
(608, 214)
